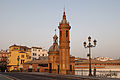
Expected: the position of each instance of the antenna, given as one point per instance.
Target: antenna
(64, 7)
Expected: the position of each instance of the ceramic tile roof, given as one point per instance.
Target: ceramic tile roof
(37, 62)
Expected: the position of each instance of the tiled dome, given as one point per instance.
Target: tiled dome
(54, 48)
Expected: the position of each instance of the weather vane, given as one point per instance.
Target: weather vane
(55, 31)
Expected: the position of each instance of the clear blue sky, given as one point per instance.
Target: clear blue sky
(32, 23)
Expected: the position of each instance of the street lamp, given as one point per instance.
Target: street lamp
(89, 46)
(18, 58)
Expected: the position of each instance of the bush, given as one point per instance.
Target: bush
(3, 68)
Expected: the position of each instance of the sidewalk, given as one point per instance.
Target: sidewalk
(76, 77)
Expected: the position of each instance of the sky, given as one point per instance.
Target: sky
(32, 23)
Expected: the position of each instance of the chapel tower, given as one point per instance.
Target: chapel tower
(64, 45)
(54, 56)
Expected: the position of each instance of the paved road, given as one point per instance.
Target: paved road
(2, 77)
(46, 76)
(23, 76)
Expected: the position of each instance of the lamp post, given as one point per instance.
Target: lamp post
(89, 46)
(18, 58)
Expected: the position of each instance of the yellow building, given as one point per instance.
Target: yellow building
(18, 55)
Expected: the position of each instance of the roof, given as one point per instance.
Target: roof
(98, 62)
(37, 47)
(19, 46)
(37, 62)
(71, 56)
(4, 52)
(43, 58)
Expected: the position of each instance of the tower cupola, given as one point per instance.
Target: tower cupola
(64, 23)
(54, 47)
(55, 38)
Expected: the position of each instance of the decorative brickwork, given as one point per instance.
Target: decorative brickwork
(60, 60)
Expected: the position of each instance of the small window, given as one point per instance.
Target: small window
(25, 49)
(66, 33)
(42, 54)
(34, 49)
(21, 49)
(22, 61)
(15, 48)
(34, 54)
(22, 56)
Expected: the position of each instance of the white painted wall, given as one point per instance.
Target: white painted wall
(39, 52)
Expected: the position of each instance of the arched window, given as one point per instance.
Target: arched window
(66, 33)
(60, 33)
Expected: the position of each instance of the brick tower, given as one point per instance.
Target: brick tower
(64, 45)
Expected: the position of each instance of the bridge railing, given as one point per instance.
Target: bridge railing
(99, 73)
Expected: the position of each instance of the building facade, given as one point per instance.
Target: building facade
(60, 60)
(4, 56)
(17, 56)
(103, 58)
(106, 68)
(37, 52)
(3, 60)
(35, 66)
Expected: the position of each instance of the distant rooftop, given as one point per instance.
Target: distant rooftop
(37, 47)
(98, 61)
(18, 46)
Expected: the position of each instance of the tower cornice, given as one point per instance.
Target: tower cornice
(67, 26)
